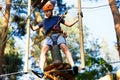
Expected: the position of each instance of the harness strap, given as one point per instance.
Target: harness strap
(64, 34)
(54, 32)
(54, 40)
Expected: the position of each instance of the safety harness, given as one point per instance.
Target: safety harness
(57, 30)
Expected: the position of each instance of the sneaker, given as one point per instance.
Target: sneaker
(38, 72)
(75, 70)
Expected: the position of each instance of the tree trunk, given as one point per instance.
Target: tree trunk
(56, 54)
(0, 7)
(3, 35)
(116, 17)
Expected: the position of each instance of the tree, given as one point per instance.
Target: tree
(13, 60)
(12, 57)
(3, 34)
(116, 17)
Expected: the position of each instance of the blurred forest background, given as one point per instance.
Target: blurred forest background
(13, 17)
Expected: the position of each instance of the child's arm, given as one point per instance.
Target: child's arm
(69, 24)
(34, 27)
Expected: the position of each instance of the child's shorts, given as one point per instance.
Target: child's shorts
(54, 39)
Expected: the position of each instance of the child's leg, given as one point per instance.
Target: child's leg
(67, 53)
(44, 50)
(69, 57)
(47, 42)
(62, 44)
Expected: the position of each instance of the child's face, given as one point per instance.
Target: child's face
(48, 13)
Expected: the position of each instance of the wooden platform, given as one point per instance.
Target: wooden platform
(59, 71)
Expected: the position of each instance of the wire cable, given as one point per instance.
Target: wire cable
(100, 6)
(114, 62)
(95, 7)
(14, 73)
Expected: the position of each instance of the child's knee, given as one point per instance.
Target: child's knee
(63, 47)
(45, 48)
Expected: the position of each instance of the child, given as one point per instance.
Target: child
(52, 24)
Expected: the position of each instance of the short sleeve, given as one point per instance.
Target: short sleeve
(62, 21)
(41, 24)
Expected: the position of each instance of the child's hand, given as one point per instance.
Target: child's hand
(65, 34)
(81, 14)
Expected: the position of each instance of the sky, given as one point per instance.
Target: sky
(99, 21)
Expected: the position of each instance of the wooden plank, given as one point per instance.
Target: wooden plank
(59, 70)
(81, 36)
(118, 74)
(107, 77)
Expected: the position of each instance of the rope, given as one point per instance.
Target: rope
(14, 73)
(96, 6)
(114, 62)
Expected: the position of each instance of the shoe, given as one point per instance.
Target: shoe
(75, 70)
(38, 72)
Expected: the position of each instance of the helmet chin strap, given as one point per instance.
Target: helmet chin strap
(50, 15)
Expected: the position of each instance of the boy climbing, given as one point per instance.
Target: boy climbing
(52, 30)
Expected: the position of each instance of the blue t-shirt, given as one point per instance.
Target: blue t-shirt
(49, 23)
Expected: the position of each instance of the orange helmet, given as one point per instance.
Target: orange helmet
(48, 6)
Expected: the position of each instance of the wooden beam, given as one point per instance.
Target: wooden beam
(118, 74)
(81, 36)
(28, 39)
(107, 77)
(58, 71)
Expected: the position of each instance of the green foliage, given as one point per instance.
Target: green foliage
(18, 16)
(1, 20)
(13, 59)
(19, 21)
(96, 66)
(118, 3)
(13, 62)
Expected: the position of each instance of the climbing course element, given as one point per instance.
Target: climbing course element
(81, 36)
(59, 71)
